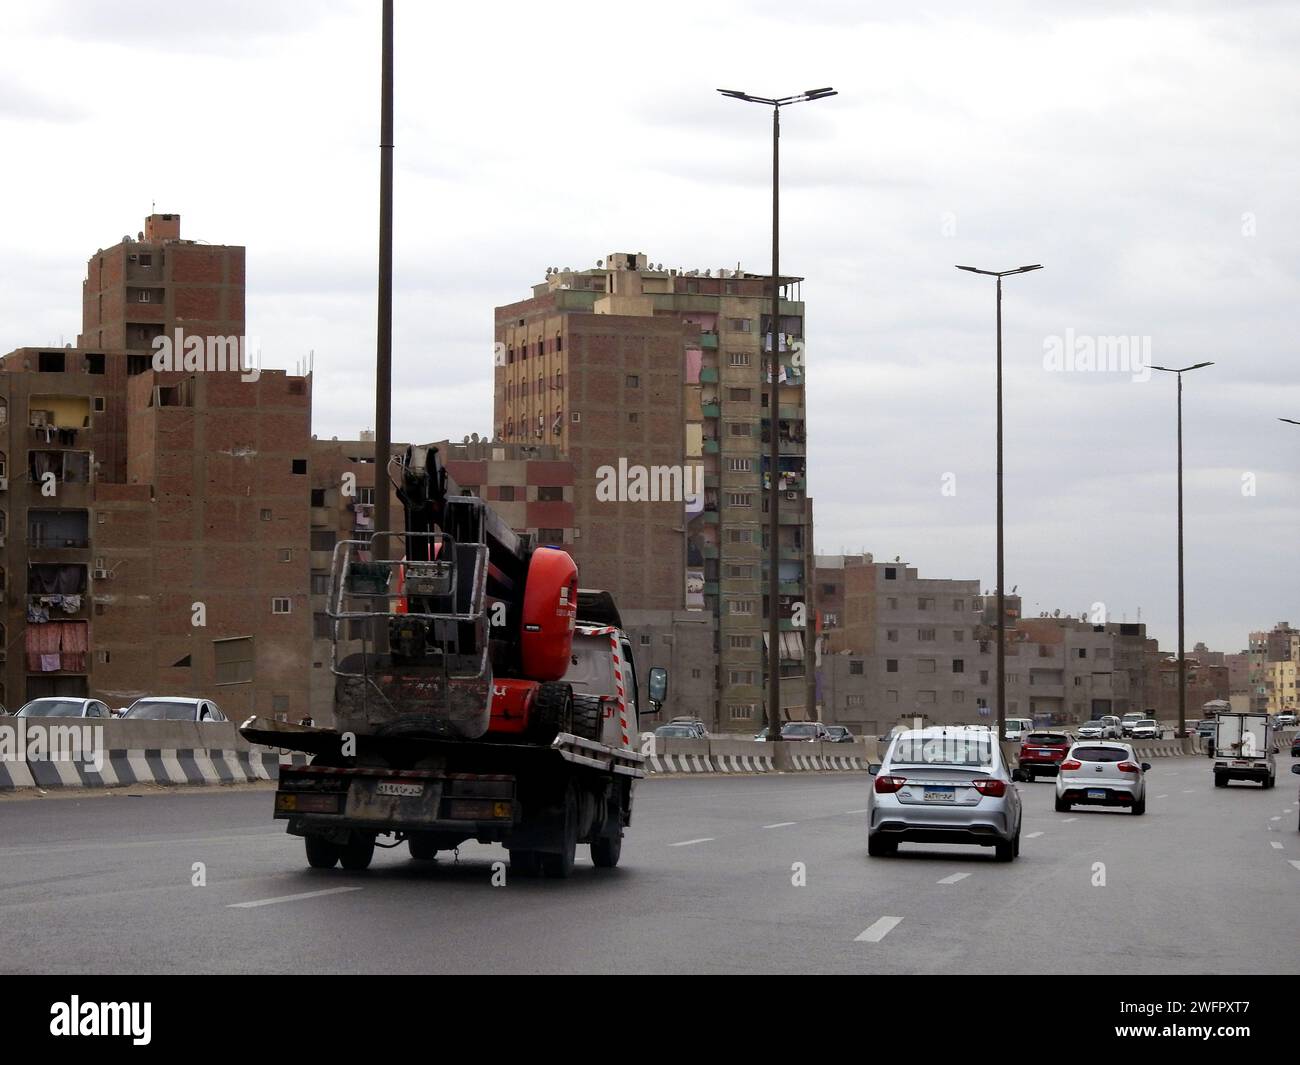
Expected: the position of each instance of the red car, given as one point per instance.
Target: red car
(1043, 752)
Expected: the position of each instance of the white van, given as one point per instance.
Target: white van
(1017, 727)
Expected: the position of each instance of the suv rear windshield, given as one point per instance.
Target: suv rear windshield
(1099, 754)
(944, 750)
(1046, 739)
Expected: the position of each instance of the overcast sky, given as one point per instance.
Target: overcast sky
(1148, 158)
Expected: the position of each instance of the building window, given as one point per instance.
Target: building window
(575, 416)
(891, 603)
(854, 700)
(740, 499)
(740, 606)
(741, 711)
(740, 465)
(321, 627)
(281, 605)
(633, 417)
(739, 536)
(266, 514)
(741, 676)
(299, 466)
(738, 358)
(958, 635)
(891, 696)
(958, 697)
(740, 325)
(233, 660)
(323, 540)
(891, 574)
(855, 668)
(1083, 652)
(286, 554)
(695, 674)
(924, 603)
(927, 697)
(959, 665)
(891, 665)
(645, 639)
(740, 429)
(740, 643)
(320, 584)
(925, 635)
(550, 494)
(740, 572)
(959, 605)
(633, 381)
(925, 665)
(550, 536)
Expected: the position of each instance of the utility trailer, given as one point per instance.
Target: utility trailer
(1243, 749)
(456, 651)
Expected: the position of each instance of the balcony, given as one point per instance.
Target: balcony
(709, 375)
(709, 341)
(712, 447)
(711, 410)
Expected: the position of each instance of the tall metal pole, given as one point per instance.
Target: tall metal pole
(1002, 605)
(384, 346)
(1182, 662)
(774, 452)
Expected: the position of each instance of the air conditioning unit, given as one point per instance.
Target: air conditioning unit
(102, 574)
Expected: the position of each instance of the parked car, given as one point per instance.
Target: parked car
(693, 722)
(676, 732)
(809, 731)
(1102, 774)
(1145, 728)
(57, 706)
(838, 734)
(943, 785)
(1128, 722)
(173, 708)
(1043, 752)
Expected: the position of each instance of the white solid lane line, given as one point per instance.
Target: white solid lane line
(1162, 796)
(781, 824)
(688, 842)
(1067, 820)
(290, 898)
(1275, 845)
(954, 878)
(1033, 835)
(879, 930)
(862, 811)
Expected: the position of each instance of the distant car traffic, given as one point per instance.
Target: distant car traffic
(838, 734)
(1127, 723)
(170, 708)
(809, 731)
(692, 722)
(1102, 774)
(676, 732)
(1145, 729)
(59, 707)
(1295, 745)
(1286, 719)
(1043, 752)
(1098, 730)
(943, 785)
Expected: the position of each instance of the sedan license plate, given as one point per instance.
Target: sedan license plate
(939, 794)
(1095, 794)
(398, 787)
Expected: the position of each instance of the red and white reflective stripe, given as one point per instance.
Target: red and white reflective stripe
(618, 684)
(589, 630)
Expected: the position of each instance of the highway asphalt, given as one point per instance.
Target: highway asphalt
(1207, 881)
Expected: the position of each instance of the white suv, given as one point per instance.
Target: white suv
(1101, 773)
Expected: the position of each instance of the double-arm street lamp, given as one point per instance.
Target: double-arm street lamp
(1182, 662)
(774, 410)
(1002, 606)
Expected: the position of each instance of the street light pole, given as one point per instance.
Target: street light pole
(1182, 660)
(774, 410)
(1002, 605)
(384, 339)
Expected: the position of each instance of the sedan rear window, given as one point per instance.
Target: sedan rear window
(943, 750)
(160, 711)
(1100, 754)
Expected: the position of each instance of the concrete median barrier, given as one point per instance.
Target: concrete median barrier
(47, 753)
(724, 755)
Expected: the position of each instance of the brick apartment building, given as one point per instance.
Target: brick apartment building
(155, 523)
(630, 366)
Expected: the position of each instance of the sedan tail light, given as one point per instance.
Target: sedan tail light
(889, 785)
(1071, 763)
(994, 788)
(1128, 767)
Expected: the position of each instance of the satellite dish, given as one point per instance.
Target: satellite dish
(465, 441)
(708, 273)
(474, 437)
(600, 263)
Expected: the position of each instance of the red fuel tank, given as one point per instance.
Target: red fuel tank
(550, 607)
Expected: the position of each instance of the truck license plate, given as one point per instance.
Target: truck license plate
(398, 787)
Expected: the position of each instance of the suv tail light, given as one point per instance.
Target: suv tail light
(994, 788)
(1128, 767)
(1072, 763)
(889, 785)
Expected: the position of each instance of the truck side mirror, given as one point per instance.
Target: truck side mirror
(658, 686)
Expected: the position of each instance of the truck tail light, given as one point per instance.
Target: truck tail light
(889, 785)
(993, 788)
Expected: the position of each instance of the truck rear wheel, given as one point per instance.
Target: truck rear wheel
(357, 852)
(587, 719)
(560, 866)
(525, 863)
(321, 853)
(605, 851)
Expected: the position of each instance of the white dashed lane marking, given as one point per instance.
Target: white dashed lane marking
(954, 878)
(1278, 818)
(782, 824)
(290, 898)
(1295, 863)
(1033, 835)
(1275, 845)
(862, 811)
(689, 842)
(1162, 796)
(878, 931)
(1067, 820)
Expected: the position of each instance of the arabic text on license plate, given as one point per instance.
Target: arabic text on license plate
(940, 794)
(1096, 794)
(397, 787)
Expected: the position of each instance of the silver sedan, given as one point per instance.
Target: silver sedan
(944, 785)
